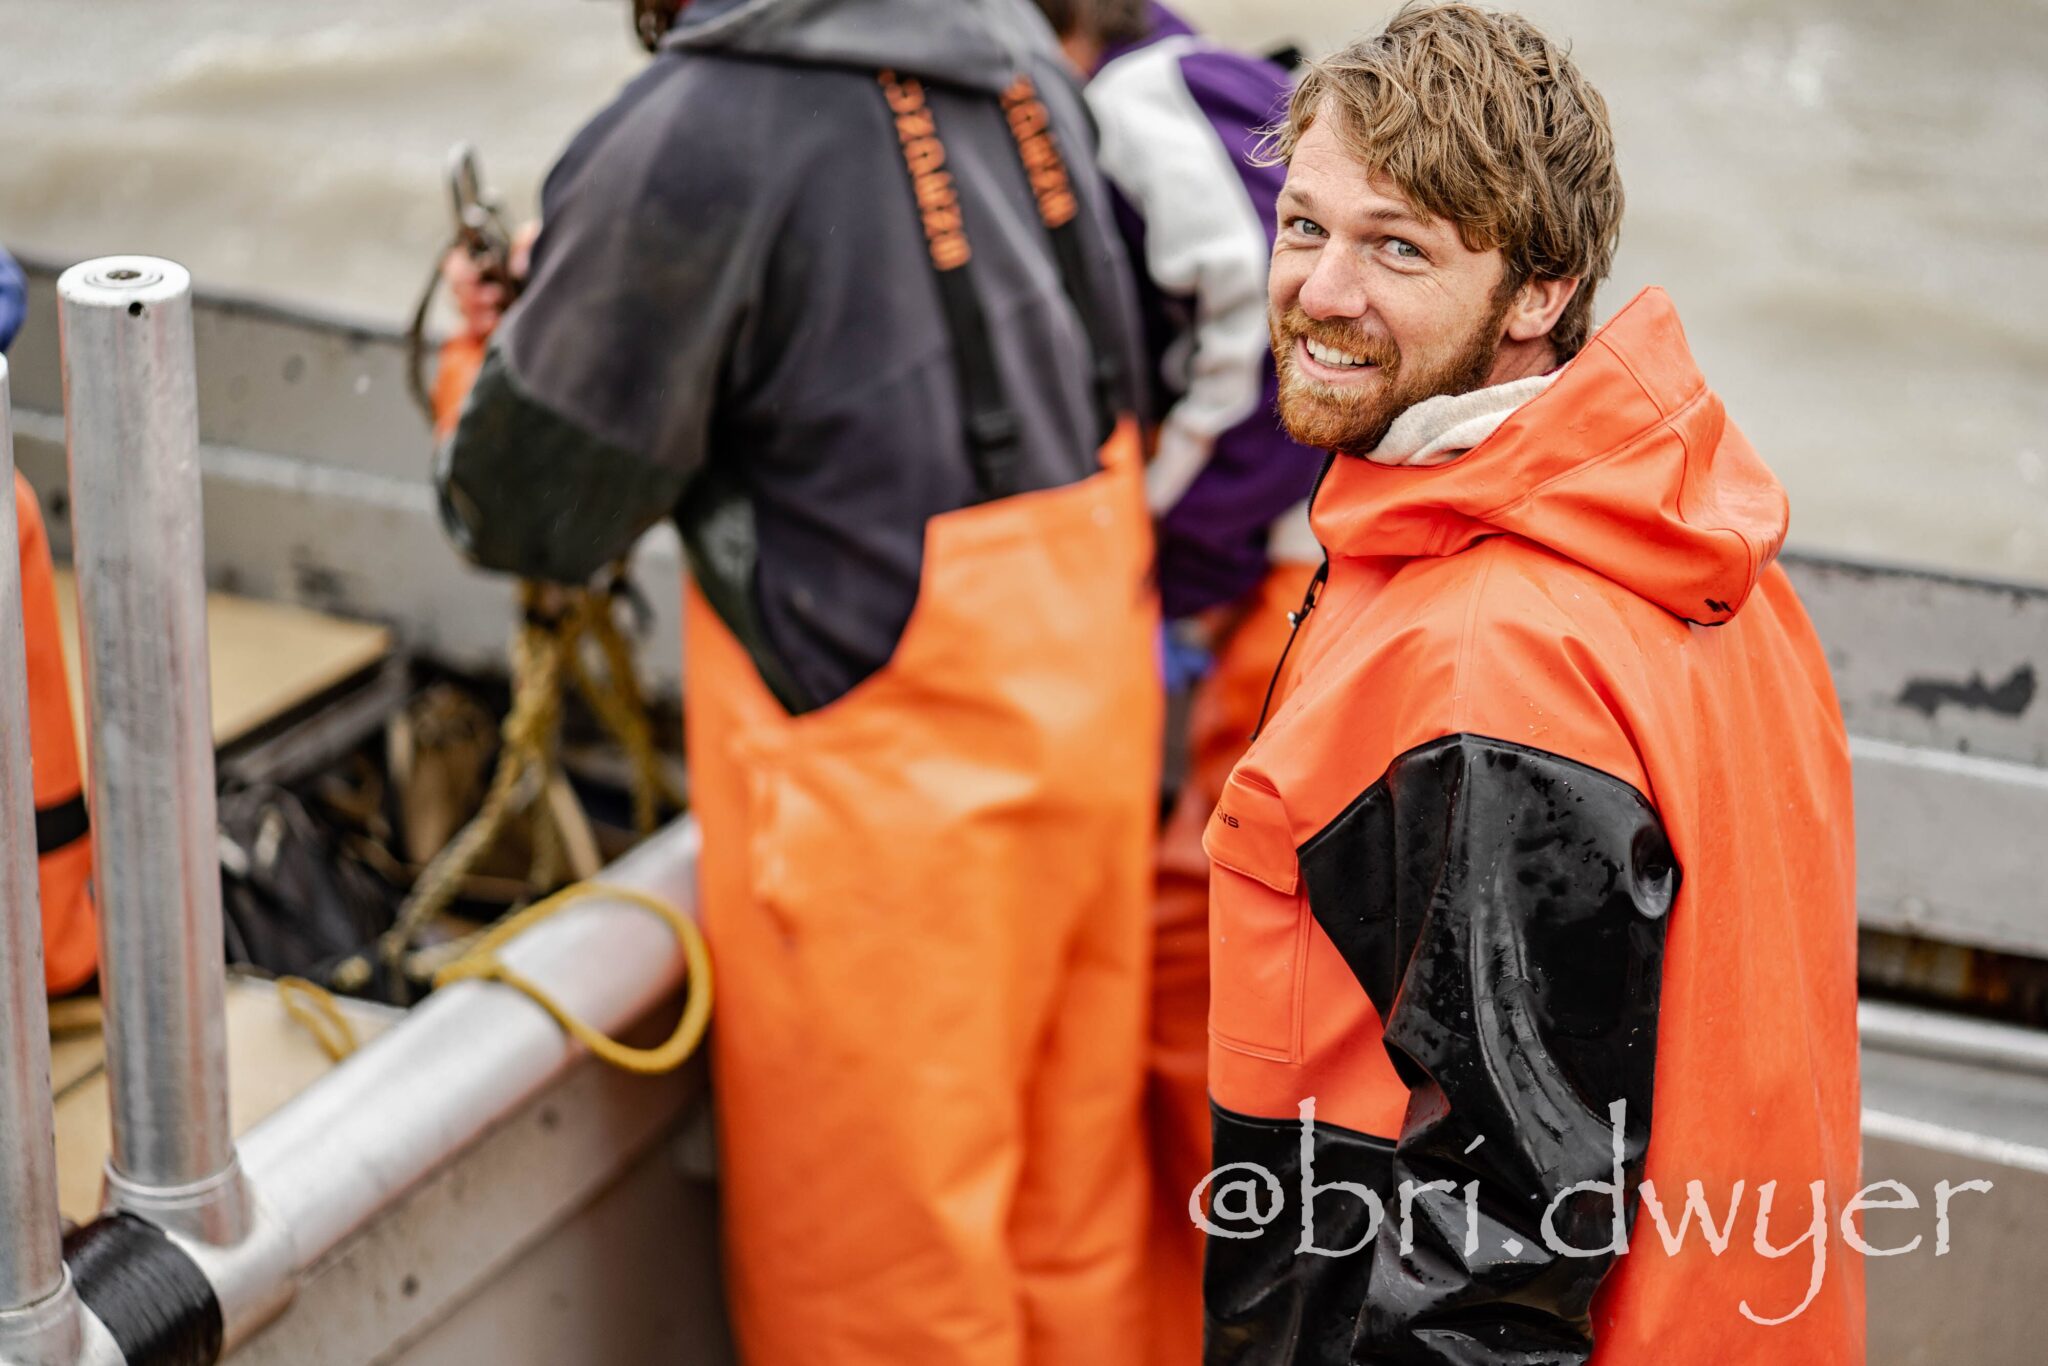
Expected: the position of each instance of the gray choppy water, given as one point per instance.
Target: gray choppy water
(1847, 198)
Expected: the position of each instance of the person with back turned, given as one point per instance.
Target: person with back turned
(1533, 900)
(63, 833)
(833, 285)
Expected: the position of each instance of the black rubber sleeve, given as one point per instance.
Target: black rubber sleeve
(1505, 909)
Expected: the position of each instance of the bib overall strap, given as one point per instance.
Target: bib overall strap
(1059, 209)
(994, 435)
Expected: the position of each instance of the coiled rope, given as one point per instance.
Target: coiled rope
(547, 654)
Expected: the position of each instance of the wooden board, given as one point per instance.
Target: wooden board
(271, 1058)
(265, 657)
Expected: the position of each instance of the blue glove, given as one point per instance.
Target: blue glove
(1183, 660)
(13, 300)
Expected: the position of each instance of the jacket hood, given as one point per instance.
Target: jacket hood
(976, 43)
(1627, 464)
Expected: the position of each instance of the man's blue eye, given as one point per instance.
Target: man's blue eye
(1307, 226)
(1407, 251)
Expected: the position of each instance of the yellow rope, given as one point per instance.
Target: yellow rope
(482, 963)
(315, 1008)
(622, 710)
(311, 1004)
(545, 654)
(521, 778)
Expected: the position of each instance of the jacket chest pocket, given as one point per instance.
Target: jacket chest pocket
(1258, 924)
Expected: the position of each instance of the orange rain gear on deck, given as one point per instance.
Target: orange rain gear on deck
(1555, 813)
(63, 835)
(927, 901)
(1221, 718)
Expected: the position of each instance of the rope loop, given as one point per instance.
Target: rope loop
(483, 963)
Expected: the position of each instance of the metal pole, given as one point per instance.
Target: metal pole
(131, 419)
(31, 1256)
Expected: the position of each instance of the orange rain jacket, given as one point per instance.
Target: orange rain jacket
(1554, 817)
(63, 838)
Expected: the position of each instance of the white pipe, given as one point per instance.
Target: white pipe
(362, 1136)
(131, 417)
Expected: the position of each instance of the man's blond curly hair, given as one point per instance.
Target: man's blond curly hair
(1483, 121)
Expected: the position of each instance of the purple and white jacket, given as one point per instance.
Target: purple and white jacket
(1180, 118)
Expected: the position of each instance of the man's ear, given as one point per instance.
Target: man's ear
(1537, 306)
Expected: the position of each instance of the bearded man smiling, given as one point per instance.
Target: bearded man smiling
(1549, 831)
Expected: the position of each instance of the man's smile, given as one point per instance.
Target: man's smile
(1329, 364)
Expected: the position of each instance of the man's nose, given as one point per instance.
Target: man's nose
(1335, 289)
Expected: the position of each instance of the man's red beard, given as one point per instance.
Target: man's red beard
(1353, 421)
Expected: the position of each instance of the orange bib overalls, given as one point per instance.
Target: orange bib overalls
(928, 901)
(63, 839)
